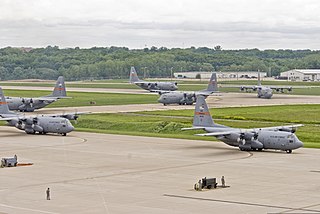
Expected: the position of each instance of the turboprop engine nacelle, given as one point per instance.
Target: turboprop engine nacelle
(37, 128)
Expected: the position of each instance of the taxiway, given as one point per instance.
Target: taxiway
(100, 173)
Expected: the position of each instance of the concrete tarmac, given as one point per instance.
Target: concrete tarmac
(100, 173)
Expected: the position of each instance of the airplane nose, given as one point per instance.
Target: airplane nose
(160, 99)
(70, 129)
(299, 144)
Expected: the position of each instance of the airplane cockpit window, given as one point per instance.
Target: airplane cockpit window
(291, 138)
(68, 123)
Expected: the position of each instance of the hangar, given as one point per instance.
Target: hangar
(221, 75)
(301, 75)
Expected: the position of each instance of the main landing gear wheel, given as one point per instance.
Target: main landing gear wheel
(288, 151)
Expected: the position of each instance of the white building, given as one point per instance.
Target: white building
(301, 75)
(221, 75)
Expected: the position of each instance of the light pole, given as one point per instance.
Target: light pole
(171, 72)
(144, 72)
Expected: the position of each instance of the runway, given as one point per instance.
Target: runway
(98, 90)
(100, 173)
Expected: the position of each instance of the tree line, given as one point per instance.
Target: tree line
(115, 62)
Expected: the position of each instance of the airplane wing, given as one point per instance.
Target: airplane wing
(69, 116)
(47, 99)
(216, 133)
(281, 128)
(52, 98)
(207, 93)
(8, 118)
(160, 91)
(249, 87)
(281, 88)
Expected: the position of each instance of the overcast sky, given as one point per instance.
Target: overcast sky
(233, 24)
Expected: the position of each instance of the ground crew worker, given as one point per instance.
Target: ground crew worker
(48, 193)
(223, 182)
(200, 185)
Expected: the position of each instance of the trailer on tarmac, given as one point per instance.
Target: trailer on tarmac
(9, 162)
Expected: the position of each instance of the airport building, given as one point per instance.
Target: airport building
(301, 75)
(220, 75)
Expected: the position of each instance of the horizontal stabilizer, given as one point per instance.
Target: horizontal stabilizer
(193, 128)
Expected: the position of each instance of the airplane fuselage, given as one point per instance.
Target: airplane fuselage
(180, 98)
(164, 86)
(264, 92)
(26, 104)
(264, 139)
(45, 124)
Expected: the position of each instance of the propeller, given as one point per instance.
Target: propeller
(185, 95)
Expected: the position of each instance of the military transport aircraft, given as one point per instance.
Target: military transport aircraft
(185, 97)
(265, 91)
(151, 86)
(31, 124)
(30, 104)
(278, 138)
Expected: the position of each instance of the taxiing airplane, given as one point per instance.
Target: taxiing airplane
(31, 124)
(278, 137)
(30, 104)
(185, 97)
(151, 86)
(265, 91)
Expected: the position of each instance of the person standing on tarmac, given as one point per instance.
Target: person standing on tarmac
(223, 182)
(48, 193)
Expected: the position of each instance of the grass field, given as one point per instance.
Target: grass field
(169, 123)
(84, 98)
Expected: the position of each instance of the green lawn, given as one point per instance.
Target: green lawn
(169, 123)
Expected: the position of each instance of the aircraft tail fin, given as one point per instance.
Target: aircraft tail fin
(4, 108)
(59, 89)
(213, 83)
(202, 117)
(133, 75)
(259, 78)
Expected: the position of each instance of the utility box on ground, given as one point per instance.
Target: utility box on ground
(9, 162)
(206, 183)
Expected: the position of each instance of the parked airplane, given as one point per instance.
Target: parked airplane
(151, 86)
(31, 124)
(188, 98)
(278, 138)
(265, 91)
(30, 104)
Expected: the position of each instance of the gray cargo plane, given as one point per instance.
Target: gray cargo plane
(31, 124)
(185, 97)
(278, 138)
(265, 91)
(151, 86)
(30, 104)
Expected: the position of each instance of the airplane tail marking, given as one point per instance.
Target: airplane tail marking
(4, 109)
(133, 75)
(59, 89)
(202, 115)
